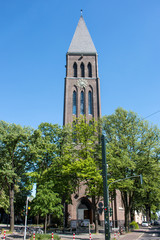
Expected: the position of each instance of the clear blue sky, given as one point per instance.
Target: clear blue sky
(35, 36)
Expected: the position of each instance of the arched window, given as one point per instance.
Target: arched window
(90, 103)
(89, 70)
(82, 69)
(82, 103)
(75, 69)
(74, 105)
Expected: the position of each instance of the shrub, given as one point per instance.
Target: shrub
(45, 237)
(134, 225)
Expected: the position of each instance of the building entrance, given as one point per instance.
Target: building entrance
(84, 210)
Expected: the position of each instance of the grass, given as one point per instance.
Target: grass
(45, 237)
(7, 231)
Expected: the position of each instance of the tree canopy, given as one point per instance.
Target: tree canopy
(14, 161)
(59, 159)
(133, 149)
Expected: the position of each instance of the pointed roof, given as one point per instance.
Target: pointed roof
(82, 41)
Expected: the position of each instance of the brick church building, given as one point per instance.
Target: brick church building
(82, 97)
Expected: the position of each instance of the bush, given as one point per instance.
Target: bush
(45, 237)
(134, 225)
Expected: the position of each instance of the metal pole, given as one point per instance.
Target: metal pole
(105, 190)
(122, 179)
(26, 212)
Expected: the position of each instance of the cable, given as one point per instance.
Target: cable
(151, 114)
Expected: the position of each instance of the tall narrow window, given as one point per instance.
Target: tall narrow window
(74, 107)
(90, 103)
(89, 70)
(82, 69)
(75, 70)
(82, 103)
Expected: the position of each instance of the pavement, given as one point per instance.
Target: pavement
(15, 235)
(135, 235)
(132, 235)
(99, 236)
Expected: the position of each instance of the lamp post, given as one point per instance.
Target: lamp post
(26, 213)
(105, 190)
(141, 179)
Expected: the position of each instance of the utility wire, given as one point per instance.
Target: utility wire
(151, 115)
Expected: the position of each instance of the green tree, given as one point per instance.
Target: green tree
(86, 161)
(47, 202)
(13, 159)
(4, 200)
(51, 149)
(24, 189)
(131, 150)
(148, 164)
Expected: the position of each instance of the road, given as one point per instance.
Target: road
(152, 233)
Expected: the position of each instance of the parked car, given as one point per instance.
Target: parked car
(156, 222)
(145, 224)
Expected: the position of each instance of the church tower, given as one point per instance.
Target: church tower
(82, 87)
(82, 97)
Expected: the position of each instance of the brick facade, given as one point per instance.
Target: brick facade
(72, 83)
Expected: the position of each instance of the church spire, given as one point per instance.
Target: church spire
(82, 41)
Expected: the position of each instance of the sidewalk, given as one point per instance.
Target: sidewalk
(15, 235)
(131, 236)
(99, 236)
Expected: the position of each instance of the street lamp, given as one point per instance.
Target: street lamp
(106, 189)
(141, 179)
(26, 213)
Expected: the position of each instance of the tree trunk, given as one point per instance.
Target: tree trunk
(130, 208)
(126, 206)
(126, 219)
(11, 199)
(96, 220)
(37, 219)
(64, 215)
(148, 209)
(95, 214)
(45, 224)
(132, 214)
(148, 213)
(49, 220)
(127, 201)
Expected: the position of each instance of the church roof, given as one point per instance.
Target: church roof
(82, 41)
